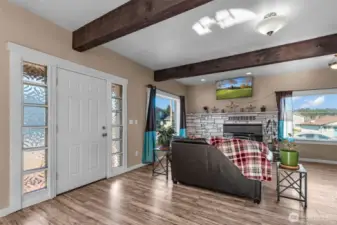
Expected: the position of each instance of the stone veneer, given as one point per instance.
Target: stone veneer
(206, 125)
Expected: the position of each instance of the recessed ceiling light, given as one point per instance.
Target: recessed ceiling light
(203, 80)
(249, 73)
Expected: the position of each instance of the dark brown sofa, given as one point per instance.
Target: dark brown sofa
(199, 164)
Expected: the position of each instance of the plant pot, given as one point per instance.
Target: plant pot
(165, 145)
(289, 158)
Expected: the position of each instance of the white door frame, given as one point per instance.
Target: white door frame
(18, 54)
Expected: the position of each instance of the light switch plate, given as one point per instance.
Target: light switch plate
(136, 121)
(130, 121)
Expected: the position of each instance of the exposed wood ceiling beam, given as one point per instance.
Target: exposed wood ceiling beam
(128, 18)
(300, 50)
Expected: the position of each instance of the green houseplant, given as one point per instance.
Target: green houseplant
(289, 155)
(165, 135)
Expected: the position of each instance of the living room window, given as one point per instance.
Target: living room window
(167, 110)
(314, 115)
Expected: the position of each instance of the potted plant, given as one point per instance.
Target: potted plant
(165, 135)
(289, 155)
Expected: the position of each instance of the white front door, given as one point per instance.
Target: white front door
(81, 118)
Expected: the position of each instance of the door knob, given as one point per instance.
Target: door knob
(104, 134)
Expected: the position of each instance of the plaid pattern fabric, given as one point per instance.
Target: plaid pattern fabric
(249, 156)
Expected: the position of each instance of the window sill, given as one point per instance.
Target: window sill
(316, 142)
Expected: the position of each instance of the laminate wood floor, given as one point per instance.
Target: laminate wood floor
(137, 198)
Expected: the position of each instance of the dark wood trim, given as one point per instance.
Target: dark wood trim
(300, 50)
(128, 18)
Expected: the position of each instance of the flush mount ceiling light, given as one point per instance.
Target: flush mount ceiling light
(203, 80)
(249, 73)
(271, 24)
(333, 63)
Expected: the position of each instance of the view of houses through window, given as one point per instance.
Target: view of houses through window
(315, 115)
(166, 112)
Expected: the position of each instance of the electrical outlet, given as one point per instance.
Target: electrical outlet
(136, 153)
(130, 121)
(136, 121)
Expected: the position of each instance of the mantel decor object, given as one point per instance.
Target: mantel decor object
(232, 106)
(206, 110)
(263, 108)
(215, 110)
(250, 108)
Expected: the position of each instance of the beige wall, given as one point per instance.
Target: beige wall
(24, 28)
(264, 88)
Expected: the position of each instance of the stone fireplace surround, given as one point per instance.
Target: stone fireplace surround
(205, 125)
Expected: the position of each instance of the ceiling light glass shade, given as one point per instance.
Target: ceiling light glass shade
(271, 24)
(231, 17)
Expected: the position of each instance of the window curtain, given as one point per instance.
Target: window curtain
(285, 114)
(150, 130)
(182, 132)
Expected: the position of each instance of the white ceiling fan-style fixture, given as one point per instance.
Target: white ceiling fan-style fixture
(333, 63)
(271, 24)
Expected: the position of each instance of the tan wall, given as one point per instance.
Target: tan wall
(264, 88)
(24, 28)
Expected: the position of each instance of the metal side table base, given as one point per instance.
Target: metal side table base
(159, 168)
(286, 181)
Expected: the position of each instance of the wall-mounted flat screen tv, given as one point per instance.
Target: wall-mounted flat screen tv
(240, 87)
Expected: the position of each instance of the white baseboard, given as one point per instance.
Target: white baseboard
(6, 211)
(135, 167)
(319, 161)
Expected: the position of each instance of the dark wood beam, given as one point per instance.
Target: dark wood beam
(128, 18)
(300, 50)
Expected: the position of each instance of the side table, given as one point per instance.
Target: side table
(286, 180)
(158, 167)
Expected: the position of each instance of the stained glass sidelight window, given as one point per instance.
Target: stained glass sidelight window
(34, 127)
(117, 125)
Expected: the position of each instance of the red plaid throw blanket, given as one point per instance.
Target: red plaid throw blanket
(249, 156)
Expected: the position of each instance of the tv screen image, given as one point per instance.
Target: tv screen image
(240, 87)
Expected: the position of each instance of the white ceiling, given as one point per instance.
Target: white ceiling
(173, 42)
(70, 14)
(269, 70)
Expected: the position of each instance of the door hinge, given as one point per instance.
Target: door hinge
(57, 81)
(57, 128)
(57, 176)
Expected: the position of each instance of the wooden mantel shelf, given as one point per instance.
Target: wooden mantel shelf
(234, 113)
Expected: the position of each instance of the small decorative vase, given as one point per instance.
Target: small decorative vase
(289, 158)
(263, 108)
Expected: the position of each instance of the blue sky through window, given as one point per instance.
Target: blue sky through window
(162, 102)
(327, 101)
